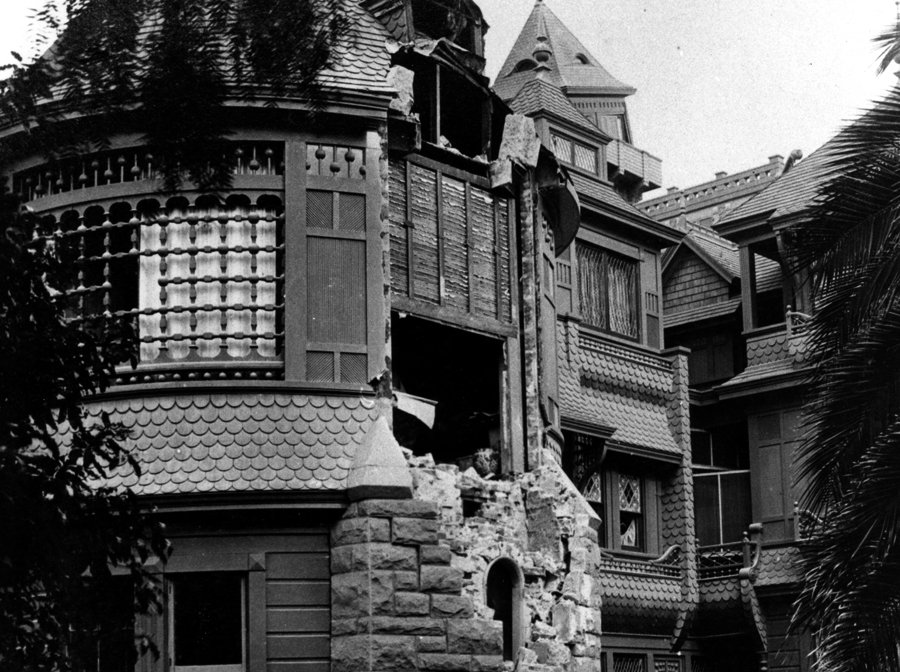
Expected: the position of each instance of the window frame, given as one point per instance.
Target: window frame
(637, 305)
(170, 582)
(609, 536)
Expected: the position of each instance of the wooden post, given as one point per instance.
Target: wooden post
(295, 260)
(748, 287)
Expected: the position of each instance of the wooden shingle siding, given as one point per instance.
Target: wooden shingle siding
(426, 273)
(693, 283)
(399, 229)
(456, 259)
(451, 244)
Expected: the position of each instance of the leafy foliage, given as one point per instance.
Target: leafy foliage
(850, 455)
(61, 529)
(167, 68)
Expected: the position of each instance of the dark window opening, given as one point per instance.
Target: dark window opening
(448, 382)
(111, 646)
(608, 290)
(208, 619)
(437, 19)
(770, 308)
(504, 597)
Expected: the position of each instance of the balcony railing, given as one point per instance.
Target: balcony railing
(199, 279)
(630, 159)
(720, 560)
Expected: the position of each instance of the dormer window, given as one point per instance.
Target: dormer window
(524, 66)
(581, 59)
(574, 153)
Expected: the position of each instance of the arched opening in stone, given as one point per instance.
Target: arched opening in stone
(504, 596)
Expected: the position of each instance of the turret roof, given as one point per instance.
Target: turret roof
(571, 65)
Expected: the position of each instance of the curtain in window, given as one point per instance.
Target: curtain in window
(206, 282)
(622, 276)
(608, 290)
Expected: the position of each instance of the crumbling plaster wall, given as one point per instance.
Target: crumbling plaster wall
(540, 522)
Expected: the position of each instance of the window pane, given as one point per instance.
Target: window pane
(593, 489)
(623, 314)
(629, 493)
(586, 158)
(592, 286)
(562, 148)
(706, 506)
(207, 619)
(735, 505)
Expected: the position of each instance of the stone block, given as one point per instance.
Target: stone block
(414, 531)
(487, 663)
(430, 644)
(552, 652)
(359, 557)
(394, 625)
(435, 555)
(579, 587)
(348, 626)
(360, 530)
(355, 593)
(390, 508)
(350, 654)
(407, 580)
(445, 662)
(565, 619)
(411, 604)
(451, 606)
(475, 635)
(436, 579)
(396, 653)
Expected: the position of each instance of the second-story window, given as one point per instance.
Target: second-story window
(574, 153)
(608, 291)
(631, 523)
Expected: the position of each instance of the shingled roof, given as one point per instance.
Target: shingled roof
(608, 386)
(539, 95)
(571, 65)
(239, 441)
(794, 191)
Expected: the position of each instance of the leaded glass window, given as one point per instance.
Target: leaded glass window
(593, 489)
(629, 662)
(630, 512)
(562, 148)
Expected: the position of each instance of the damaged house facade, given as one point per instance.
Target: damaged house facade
(403, 396)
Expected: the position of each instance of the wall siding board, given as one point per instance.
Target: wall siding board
(291, 593)
(399, 229)
(423, 183)
(296, 619)
(298, 666)
(455, 247)
(484, 297)
(298, 646)
(297, 566)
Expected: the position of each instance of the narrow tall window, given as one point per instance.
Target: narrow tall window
(504, 596)
(630, 512)
(608, 291)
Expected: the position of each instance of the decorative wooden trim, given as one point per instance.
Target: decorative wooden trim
(294, 260)
(256, 613)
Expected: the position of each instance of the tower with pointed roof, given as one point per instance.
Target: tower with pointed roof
(547, 51)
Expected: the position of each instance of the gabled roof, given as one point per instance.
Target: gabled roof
(570, 64)
(794, 191)
(540, 96)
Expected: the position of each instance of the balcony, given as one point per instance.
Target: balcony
(635, 162)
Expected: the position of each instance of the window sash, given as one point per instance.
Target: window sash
(608, 291)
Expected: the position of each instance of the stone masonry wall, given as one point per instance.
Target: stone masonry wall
(397, 603)
(539, 521)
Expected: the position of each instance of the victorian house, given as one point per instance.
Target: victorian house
(403, 395)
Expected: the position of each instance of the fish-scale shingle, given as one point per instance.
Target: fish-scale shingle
(191, 443)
